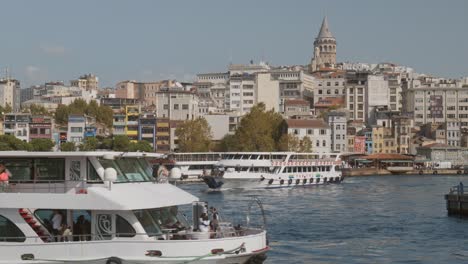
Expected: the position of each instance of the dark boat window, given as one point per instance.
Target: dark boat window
(9, 232)
(93, 176)
(123, 228)
(337, 168)
(311, 180)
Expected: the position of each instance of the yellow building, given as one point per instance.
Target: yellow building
(132, 113)
(163, 136)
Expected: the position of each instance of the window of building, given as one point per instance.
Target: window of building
(328, 91)
(166, 107)
(76, 129)
(320, 92)
(296, 131)
(309, 131)
(360, 90)
(9, 232)
(317, 143)
(323, 132)
(324, 143)
(176, 106)
(328, 83)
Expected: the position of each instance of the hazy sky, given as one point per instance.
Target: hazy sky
(153, 40)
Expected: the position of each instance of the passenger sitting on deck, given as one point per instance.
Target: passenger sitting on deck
(204, 225)
(66, 233)
(4, 177)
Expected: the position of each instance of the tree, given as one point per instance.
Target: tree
(89, 144)
(194, 135)
(227, 143)
(288, 142)
(259, 130)
(305, 145)
(121, 143)
(10, 142)
(42, 144)
(141, 145)
(67, 146)
(5, 109)
(105, 115)
(38, 110)
(61, 114)
(106, 143)
(78, 107)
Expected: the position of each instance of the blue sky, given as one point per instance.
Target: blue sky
(153, 40)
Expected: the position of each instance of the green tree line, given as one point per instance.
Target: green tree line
(259, 130)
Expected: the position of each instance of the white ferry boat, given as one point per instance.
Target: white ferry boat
(252, 170)
(191, 165)
(105, 207)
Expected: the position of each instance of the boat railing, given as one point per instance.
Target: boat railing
(457, 189)
(47, 186)
(166, 235)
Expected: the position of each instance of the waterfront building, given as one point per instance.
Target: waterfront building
(436, 101)
(118, 104)
(324, 48)
(177, 104)
(443, 152)
(382, 140)
(356, 93)
(80, 127)
(40, 127)
(17, 124)
(147, 129)
(338, 125)
(402, 126)
(163, 140)
(241, 96)
(87, 82)
(132, 114)
(359, 144)
(317, 130)
(212, 89)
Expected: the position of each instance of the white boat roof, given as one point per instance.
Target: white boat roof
(59, 154)
(128, 196)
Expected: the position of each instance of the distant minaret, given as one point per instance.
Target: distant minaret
(324, 48)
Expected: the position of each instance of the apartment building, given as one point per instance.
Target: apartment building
(317, 130)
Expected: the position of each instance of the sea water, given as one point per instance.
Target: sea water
(373, 219)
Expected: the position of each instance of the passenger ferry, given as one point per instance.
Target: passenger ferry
(252, 170)
(188, 165)
(106, 207)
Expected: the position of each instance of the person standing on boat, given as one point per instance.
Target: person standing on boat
(214, 218)
(4, 177)
(56, 224)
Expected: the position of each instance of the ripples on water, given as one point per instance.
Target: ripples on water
(384, 219)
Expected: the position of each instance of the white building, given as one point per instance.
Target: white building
(316, 129)
(338, 127)
(436, 102)
(76, 129)
(10, 93)
(177, 104)
(17, 125)
(87, 82)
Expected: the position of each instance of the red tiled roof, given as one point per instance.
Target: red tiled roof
(306, 123)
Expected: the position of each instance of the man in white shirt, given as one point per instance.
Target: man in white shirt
(56, 224)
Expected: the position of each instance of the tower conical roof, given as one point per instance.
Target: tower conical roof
(324, 31)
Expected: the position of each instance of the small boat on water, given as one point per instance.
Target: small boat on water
(106, 207)
(267, 170)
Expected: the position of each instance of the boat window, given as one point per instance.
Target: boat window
(145, 219)
(314, 169)
(337, 168)
(128, 169)
(49, 169)
(123, 228)
(9, 232)
(20, 169)
(154, 221)
(93, 176)
(328, 168)
(46, 216)
(254, 157)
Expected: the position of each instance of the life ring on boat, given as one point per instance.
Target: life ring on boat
(421, 172)
(270, 181)
(289, 181)
(282, 181)
(298, 181)
(434, 172)
(304, 181)
(114, 260)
